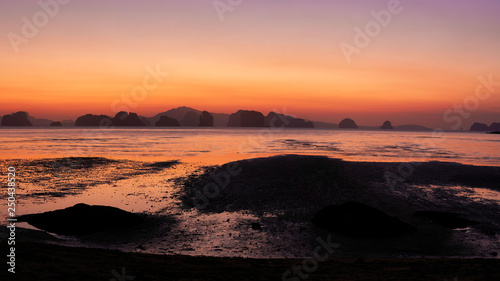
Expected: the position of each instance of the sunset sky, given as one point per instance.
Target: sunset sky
(279, 55)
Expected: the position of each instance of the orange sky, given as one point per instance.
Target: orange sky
(262, 56)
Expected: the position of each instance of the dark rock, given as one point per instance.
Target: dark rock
(191, 119)
(206, 119)
(93, 120)
(348, 124)
(234, 119)
(493, 254)
(479, 127)
(19, 118)
(386, 126)
(56, 124)
(145, 121)
(124, 119)
(166, 121)
(220, 119)
(494, 127)
(256, 226)
(83, 219)
(448, 220)
(276, 120)
(246, 118)
(355, 219)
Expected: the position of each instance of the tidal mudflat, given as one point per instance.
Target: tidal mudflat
(265, 208)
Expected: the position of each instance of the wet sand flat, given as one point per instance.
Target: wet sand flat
(258, 225)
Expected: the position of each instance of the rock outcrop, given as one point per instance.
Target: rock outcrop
(145, 121)
(206, 119)
(19, 118)
(494, 127)
(246, 118)
(56, 124)
(83, 219)
(91, 120)
(348, 124)
(124, 119)
(191, 119)
(358, 220)
(386, 126)
(276, 120)
(166, 121)
(479, 127)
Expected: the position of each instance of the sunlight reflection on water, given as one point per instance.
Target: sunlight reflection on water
(220, 145)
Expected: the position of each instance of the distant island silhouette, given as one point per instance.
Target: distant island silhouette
(206, 119)
(386, 126)
(348, 123)
(189, 117)
(246, 118)
(19, 118)
(166, 121)
(480, 127)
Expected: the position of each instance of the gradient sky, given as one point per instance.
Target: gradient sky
(279, 55)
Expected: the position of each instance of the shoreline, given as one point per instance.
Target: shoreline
(94, 264)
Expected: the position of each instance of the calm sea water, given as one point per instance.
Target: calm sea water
(220, 145)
